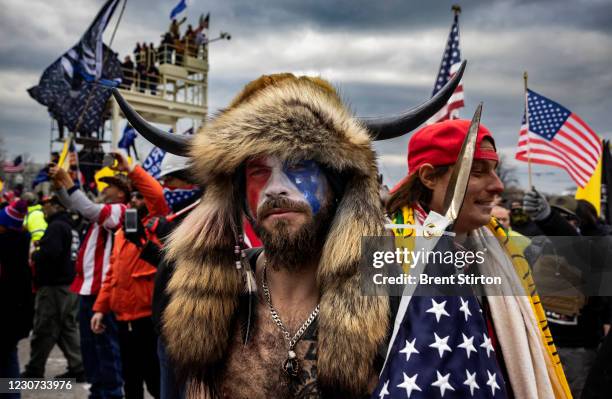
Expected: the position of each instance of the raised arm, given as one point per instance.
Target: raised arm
(72, 197)
(150, 188)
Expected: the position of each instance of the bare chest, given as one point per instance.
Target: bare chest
(255, 370)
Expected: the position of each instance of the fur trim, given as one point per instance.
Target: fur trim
(293, 119)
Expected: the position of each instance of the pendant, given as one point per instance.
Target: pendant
(291, 366)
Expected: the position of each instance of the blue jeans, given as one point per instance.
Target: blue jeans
(101, 356)
(9, 367)
(169, 387)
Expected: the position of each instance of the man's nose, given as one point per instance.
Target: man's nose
(495, 184)
(278, 184)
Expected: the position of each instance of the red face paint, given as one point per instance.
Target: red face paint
(257, 175)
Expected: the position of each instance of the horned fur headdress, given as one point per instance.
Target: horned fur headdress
(294, 119)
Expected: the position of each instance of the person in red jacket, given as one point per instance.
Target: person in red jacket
(127, 292)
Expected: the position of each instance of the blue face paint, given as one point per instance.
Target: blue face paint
(306, 176)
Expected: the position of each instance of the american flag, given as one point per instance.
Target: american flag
(441, 350)
(558, 137)
(14, 167)
(451, 61)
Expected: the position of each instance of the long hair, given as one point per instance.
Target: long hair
(413, 191)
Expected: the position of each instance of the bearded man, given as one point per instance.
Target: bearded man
(288, 320)
(305, 175)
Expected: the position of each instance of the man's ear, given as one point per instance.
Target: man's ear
(427, 176)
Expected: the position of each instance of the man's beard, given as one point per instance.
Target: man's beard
(290, 250)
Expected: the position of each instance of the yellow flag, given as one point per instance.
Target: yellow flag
(106, 171)
(592, 191)
(63, 159)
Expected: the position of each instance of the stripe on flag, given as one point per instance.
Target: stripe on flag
(558, 137)
(451, 61)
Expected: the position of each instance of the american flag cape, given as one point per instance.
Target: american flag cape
(67, 86)
(558, 137)
(442, 348)
(451, 61)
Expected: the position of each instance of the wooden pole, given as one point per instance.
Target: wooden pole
(525, 76)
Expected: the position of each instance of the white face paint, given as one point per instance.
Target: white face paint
(303, 183)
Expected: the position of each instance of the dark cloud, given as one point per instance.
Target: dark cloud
(383, 56)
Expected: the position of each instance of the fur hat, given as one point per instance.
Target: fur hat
(295, 119)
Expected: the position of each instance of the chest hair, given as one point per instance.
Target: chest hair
(254, 370)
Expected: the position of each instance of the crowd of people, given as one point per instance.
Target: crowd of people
(152, 284)
(142, 70)
(577, 323)
(93, 276)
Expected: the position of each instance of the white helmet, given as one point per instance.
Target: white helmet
(173, 163)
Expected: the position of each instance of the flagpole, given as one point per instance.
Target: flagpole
(527, 124)
(117, 24)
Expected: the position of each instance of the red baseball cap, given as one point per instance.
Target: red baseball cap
(439, 145)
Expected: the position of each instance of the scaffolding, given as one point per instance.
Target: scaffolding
(166, 84)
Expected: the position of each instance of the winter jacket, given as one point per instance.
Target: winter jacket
(54, 260)
(128, 286)
(16, 300)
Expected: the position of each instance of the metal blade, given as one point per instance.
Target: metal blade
(457, 184)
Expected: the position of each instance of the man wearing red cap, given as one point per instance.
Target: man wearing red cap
(514, 324)
(431, 153)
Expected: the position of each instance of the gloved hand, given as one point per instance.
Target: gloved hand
(535, 205)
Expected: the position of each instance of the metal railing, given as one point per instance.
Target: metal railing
(145, 77)
(171, 53)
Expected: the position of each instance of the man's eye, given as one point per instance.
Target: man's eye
(258, 172)
(297, 168)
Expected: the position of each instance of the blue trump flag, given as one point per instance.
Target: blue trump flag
(73, 87)
(179, 8)
(152, 165)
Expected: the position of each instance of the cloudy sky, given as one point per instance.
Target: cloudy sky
(382, 55)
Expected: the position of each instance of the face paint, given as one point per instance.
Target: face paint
(258, 172)
(301, 182)
(306, 176)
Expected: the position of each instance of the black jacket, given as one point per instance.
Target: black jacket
(16, 300)
(585, 329)
(54, 260)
